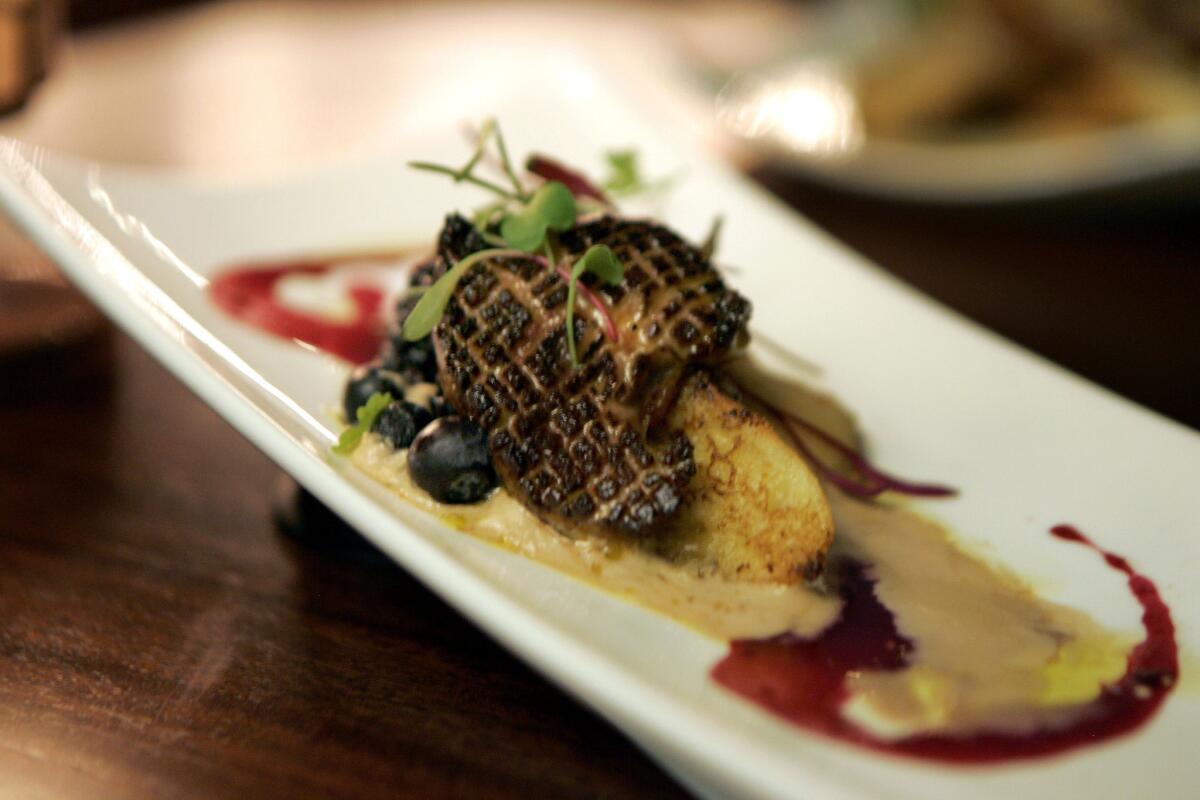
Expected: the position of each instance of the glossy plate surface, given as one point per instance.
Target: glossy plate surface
(1030, 445)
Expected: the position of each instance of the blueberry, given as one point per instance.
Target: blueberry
(450, 460)
(400, 422)
(364, 382)
(440, 407)
(411, 357)
(421, 415)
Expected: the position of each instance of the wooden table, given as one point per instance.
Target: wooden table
(159, 637)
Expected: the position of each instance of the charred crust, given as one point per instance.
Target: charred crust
(585, 449)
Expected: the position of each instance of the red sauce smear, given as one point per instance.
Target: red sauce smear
(804, 680)
(248, 293)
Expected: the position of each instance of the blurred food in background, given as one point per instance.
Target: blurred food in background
(1032, 67)
(974, 100)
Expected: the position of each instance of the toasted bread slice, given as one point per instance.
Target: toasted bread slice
(756, 512)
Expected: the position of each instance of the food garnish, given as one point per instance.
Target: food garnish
(551, 208)
(625, 175)
(466, 173)
(600, 261)
(365, 418)
(872, 481)
(429, 308)
(527, 223)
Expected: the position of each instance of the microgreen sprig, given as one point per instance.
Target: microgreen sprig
(429, 309)
(604, 264)
(552, 208)
(625, 175)
(527, 224)
(460, 177)
(366, 415)
(466, 173)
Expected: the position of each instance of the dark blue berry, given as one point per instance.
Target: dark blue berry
(411, 357)
(450, 460)
(364, 382)
(440, 407)
(421, 415)
(400, 422)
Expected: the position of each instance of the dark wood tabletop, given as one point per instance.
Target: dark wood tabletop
(160, 637)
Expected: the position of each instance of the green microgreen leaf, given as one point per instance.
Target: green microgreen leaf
(485, 132)
(623, 175)
(484, 216)
(602, 262)
(552, 207)
(366, 414)
(429, 309)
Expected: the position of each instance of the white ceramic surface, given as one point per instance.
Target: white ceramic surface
(1029, 444)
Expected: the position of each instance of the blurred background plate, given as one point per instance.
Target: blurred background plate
(970, 101)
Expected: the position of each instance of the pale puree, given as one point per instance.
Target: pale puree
(987, 651)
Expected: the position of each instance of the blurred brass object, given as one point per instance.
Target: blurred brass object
(28, 30)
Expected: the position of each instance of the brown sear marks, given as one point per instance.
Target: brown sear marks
(587, 449)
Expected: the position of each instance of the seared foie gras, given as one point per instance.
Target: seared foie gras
(588, 449)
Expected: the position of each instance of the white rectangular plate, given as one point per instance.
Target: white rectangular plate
(1029, 445)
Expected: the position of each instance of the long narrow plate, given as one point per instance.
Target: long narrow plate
(1029, 445)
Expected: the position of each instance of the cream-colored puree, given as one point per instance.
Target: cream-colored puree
(988, 653)
(720, 608)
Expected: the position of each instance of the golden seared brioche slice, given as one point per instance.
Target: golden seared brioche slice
(755, 510)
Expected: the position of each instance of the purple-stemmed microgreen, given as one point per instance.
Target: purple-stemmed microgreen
(869, 482)
(606, 318)
(604, 264)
